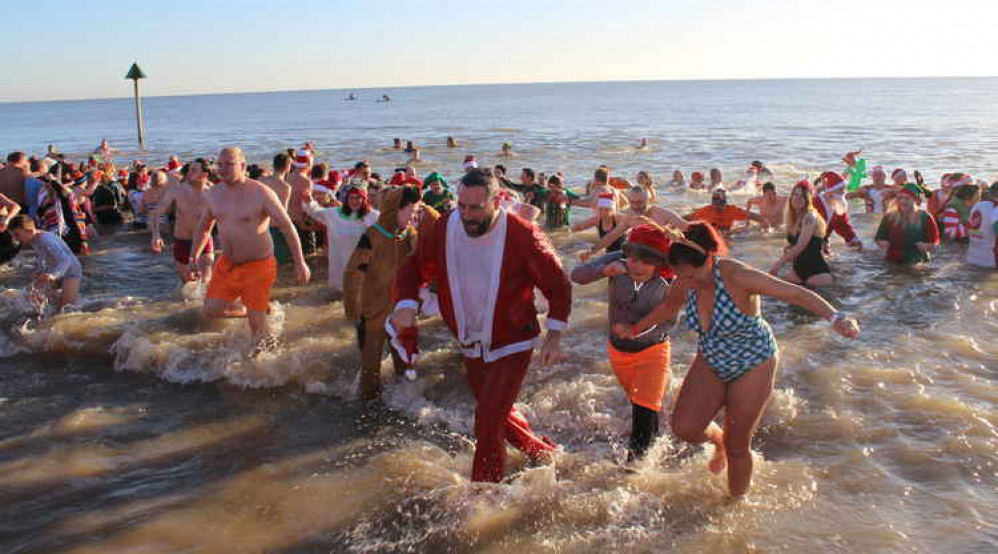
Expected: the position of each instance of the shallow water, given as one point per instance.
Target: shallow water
(136, 426)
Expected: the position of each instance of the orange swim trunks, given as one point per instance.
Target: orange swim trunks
(249, 281)
(643, 375)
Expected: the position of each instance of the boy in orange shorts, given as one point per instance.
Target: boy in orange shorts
(636, 286)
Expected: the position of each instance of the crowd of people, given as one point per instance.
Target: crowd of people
(405, 248)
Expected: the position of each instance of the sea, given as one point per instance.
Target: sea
(134, 425)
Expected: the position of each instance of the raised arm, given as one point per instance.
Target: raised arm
(666, 311)
(590, 221)
(598, 269)
(764, 284)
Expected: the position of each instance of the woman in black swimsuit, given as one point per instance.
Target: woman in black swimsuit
(605, 221)
(805, 246)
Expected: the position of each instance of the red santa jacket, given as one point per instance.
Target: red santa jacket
(839, 223)
(527, 261)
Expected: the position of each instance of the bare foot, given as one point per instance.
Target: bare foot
(719, 460)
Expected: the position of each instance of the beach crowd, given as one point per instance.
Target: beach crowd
(472, 248)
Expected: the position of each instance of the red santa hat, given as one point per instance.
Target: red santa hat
(833, 182)
(173, 165)
(335, 178)
(303, 158)
(398, 179)
(604, 200)
(899, 174)
(651, 241)
(469, 163)
(805, 184)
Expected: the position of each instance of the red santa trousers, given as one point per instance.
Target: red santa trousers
(496, 386)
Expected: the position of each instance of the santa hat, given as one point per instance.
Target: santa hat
(604, 201)
(122, 174)
(805, 184)
(469, 163)
(173, 165)
(359, 191)
(303, 158)
(958, 179)
(650, 241)
(696, 175)
(335, 178)
(833, 182)
(398, 179)
(899, 174)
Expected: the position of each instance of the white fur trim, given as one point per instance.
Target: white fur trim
(397, 344)
(555, 324)
(402, 304)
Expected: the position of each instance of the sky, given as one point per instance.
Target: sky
(61, 49)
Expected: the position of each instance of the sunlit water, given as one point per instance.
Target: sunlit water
(136, 426)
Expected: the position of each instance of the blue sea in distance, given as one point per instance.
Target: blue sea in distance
(935, 125)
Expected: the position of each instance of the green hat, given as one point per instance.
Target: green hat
(435, 176)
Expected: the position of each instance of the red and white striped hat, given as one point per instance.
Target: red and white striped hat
(303, 158)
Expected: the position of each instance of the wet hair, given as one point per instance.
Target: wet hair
(705, 236)
(376, 177)
(36, 165)
(482, 178)
(16, 157)
(555, 180)
(768, 185)
(410, 195)
(21, 221)
(319, 171)
(205, 167)
(254, 171)
(601, 175)
(529, 172)
(501, 167)
(282, 162)
(360, 164)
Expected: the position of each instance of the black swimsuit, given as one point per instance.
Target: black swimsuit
(617, 244)
(811, 261)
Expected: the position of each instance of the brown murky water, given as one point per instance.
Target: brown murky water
(136, 427)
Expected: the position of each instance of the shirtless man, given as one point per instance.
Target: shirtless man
(278, 183)
(301, 187)
(641, 211)
(189, 197)
(246, 269)
(771, 206)
(153, 196)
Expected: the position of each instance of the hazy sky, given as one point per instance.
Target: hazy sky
(63, 49)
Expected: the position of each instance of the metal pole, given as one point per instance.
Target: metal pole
(138, 116)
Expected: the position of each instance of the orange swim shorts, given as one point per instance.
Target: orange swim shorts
(250, 281)
(643, 375)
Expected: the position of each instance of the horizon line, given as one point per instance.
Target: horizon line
(513, 83)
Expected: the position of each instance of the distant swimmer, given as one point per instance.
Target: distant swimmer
(451, 143)
(246, 270)
(397, 144)
(772, 206)
(386, 98)
(105, 151)
(414, 156)
(409, 147)
(57, 271)
(643, 145)
(696, 181)
(678, 179)
(716, 178)
(507, 150)
(188, 196)
(351, 96)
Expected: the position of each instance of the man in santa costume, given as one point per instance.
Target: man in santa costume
(487, 262)
(831, 204)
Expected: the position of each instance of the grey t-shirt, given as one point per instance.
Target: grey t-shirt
(629, 302)
(55, 257)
